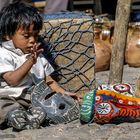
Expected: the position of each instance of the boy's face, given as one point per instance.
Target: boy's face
(25, 39)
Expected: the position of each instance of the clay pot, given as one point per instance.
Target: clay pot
(105, 34)
(132, 54)
(102, 52)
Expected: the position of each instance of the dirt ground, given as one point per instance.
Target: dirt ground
(76, 131)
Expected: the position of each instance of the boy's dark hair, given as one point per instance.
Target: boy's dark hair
(16, 15)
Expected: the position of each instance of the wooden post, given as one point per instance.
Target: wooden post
(119, 44)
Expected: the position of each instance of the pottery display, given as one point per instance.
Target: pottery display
(102, 52)
(132, 54)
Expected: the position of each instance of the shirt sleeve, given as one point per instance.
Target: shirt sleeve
(6, 63)
(47, 66)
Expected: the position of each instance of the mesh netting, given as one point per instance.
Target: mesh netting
(69, 47)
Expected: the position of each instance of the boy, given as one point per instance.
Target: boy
(22, 65)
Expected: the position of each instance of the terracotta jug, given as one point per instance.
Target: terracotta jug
(102, 52)
(132, 54)
(105, 34)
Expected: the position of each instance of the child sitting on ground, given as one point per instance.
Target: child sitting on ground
(22, 65)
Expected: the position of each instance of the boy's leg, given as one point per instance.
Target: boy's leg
(53, 6)
(6, 105)
(21, 119)
(13, 112)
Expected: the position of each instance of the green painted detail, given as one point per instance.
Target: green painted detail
(87, 107)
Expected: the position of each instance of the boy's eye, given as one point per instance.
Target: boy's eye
(26, 35)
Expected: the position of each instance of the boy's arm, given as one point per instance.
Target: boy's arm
(13, 78)
(57, 88)
(54, 85)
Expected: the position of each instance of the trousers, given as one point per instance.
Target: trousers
(55, 6)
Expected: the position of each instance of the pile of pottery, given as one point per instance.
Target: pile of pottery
(132, 54)
(103, 46)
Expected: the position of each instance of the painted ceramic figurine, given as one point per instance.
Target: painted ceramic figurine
(109, 106)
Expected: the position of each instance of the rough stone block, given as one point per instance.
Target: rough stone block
(69, 47)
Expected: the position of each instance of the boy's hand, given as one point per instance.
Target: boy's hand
(73, 95)
(35, 51)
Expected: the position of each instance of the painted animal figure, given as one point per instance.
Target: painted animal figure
(110, 106)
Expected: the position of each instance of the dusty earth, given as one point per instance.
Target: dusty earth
(76, 131)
